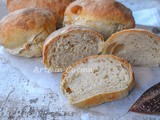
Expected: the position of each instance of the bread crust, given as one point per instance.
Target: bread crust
(115, 35)
(56, 6)
(23, 28)
(102, 10)
(54, 37)
(100, 98)
(92, 12)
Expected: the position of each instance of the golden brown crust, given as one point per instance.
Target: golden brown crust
(30, 20)
(101, 98)
(20, 29)
(132, 31)
(57, 6)
(64, 32)
(107, 11)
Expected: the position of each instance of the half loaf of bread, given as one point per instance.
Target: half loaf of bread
(69, 44)
(139, 47)
(97, 79)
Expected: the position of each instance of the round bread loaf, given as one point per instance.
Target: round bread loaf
(106, 16)
(23, 32)
(57, 6)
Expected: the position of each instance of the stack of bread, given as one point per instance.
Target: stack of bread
(76, 37)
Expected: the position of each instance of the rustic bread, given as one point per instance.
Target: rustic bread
(139, 47)
(24, 31)
(106, 16)
(57, 6)
(97, 79)
(69, 44)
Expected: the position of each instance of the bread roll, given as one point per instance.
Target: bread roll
(97, 79)
(139, 47)
(106, 16)
(57, 6)
(67, 45)
(23, 32)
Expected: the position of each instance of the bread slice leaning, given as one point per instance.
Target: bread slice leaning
(139, 47)
(97, 79)
(69, 44)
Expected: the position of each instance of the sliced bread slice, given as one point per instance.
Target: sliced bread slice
(97, 79)
(139, 47)
(67, 45)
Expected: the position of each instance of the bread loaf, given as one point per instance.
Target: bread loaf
(97, 79)
(57, 6)
(139, 47)
(106, 16)
(67, 45)
(23, 32)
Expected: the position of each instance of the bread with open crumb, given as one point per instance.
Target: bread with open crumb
(97, 79)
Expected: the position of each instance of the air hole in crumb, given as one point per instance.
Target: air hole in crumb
(68, 90)
(54, 50)
(117, 74)
(95, 71)
(155, 49)
(111, 69)
(84, 48)
(126, 73)
(134, 61)
(119, 68)
(72, 46)
(106, 76)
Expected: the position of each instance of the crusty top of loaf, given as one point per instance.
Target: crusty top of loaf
(64, 31)
(23, 25)
(58, 6)
(107, 11)
(130, 31)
